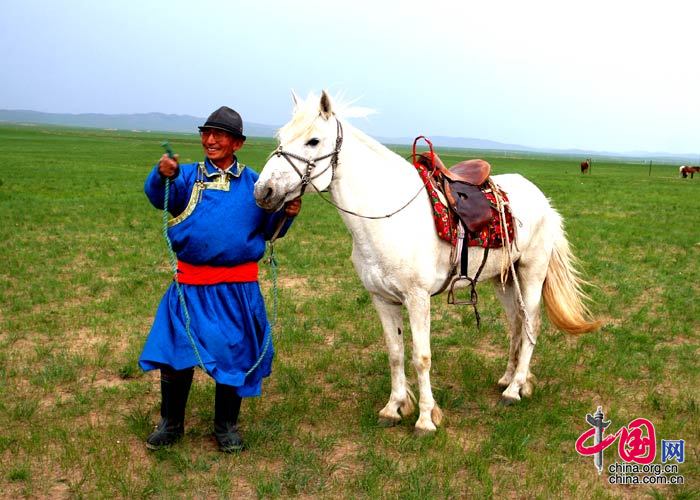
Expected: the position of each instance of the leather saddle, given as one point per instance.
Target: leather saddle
(463, 185)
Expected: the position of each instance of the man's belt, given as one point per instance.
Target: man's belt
(190, 274)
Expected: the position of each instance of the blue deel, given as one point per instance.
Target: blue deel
(228, 320)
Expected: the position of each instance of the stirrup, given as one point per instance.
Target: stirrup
(473, 298)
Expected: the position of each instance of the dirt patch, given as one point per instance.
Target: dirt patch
(243, 489)
(486, 349)
(596, 399)
(26, 343)
(517, 471)
(83, 340)
(56, 396)
(303, 287)
(59, 490)
(468, 441)
(297, 283)
(675, 342)
(108, 380)
(80, 261)
(342, 460)
(108, 278)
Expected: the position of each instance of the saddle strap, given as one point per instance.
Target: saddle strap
(464, 260)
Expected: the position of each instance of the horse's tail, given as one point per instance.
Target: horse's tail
(564, 298)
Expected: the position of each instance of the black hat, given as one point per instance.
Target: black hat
(226, 119)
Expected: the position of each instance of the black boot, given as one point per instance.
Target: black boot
(227, 405)
(174, 389)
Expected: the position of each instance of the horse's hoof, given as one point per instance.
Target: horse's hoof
(423, 432)
(388, 422)
(507, 401)
(527, 389)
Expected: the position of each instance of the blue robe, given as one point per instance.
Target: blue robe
(216, 223)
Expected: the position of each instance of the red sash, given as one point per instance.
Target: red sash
(190, 274)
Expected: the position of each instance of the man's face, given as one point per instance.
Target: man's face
(219, 146)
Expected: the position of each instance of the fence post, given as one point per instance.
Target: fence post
(650, 161)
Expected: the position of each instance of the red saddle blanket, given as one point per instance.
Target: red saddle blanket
(491, 235)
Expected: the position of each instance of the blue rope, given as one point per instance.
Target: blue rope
(181, 297)
(268, 336)
(173, 265)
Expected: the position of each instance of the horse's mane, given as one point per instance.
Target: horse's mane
(371, 143)
(306, 112)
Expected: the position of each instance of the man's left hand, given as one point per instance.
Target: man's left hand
(293, 207)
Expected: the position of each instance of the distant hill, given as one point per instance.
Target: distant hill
(157, 122)
(487, 145)
(161, 122)
(460, 142)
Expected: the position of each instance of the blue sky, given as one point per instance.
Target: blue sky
(598, 75)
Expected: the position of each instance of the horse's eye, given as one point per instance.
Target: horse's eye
(313, 142)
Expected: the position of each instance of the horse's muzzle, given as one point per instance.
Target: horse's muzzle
(265, 198)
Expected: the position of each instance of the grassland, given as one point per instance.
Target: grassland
(84, 266)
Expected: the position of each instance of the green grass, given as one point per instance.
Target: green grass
(85, 266)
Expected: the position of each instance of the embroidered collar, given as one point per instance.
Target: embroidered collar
(233, 170)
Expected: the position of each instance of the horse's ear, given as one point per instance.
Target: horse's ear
(295, 99)
(326, 110)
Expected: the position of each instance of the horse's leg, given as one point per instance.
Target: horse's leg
(400, 402)
(418, 305)
(531, 281)
(511, 308)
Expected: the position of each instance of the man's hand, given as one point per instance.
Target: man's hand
(293, 207)
(168, 167)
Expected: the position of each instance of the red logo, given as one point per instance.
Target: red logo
(637, 441)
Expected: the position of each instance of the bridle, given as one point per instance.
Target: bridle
(306, 177)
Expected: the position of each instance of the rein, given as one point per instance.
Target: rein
(306, 177)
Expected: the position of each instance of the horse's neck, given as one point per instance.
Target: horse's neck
(371, 179)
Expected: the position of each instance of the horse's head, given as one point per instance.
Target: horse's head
(307, 154)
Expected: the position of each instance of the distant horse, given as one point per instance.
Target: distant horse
(400, 259)
(586, 166)
(685, 170)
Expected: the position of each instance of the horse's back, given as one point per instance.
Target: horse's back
(529, 205)
(520, 190)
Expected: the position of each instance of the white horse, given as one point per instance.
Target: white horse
(400, 259)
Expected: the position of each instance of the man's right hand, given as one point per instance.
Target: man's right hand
(168, 167)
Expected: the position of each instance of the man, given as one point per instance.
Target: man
(218, 234)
